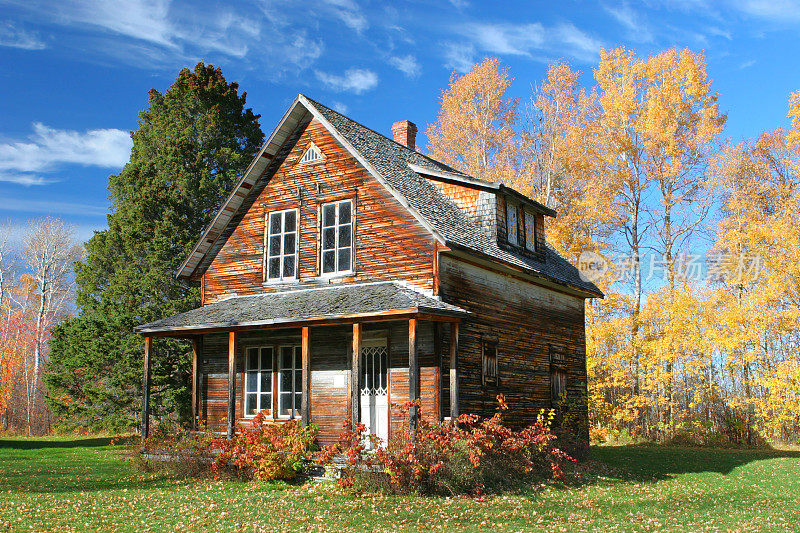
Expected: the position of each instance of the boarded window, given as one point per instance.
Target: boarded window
(489, 358)
(258, 380)
(558, 374)
(511, 223)
(530, 231)
(281, 245)
(337, 237)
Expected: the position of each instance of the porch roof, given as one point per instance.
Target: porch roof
(365, 300)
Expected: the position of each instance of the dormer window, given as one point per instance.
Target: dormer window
(530, 230)
(511, 223)
(312, 155)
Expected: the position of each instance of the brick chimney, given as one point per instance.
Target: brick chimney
(405, 133)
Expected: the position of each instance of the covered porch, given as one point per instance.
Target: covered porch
(318, 356)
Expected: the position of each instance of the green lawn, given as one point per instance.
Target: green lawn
(87, 485)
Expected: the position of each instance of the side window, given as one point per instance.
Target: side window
(337, 238)
(530, 231)
(258, 381)
(558, 374)
(281, 245)
(489, 358)
(511, 223)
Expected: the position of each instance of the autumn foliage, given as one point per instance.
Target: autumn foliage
(470, 456)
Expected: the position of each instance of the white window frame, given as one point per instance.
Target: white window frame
(315, 149)
(282, 255)
(512, 208)
(336, 272)
(530, 236)
(296, 369)
(258, 392)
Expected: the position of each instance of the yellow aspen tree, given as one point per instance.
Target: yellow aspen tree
(474, 132)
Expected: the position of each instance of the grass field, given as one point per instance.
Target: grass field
(87, 485)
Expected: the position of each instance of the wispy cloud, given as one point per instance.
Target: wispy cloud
(526, 39)
(46, 207)
(14, 37)
(459, 57)
(407, 64)
(341, 107)
(348, 12)
(774, 10)
(747, 64)
(633, 22)
(47, 148)
(355, 80)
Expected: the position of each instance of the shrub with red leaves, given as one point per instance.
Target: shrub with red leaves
(266, 450)
(468, 457)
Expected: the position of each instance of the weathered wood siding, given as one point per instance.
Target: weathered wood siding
(390, 243)
(526, 319)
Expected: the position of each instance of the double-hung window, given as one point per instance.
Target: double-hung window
(290, 392)
(530, 231)
(511, 223)
(258, 381)
(281, 252)
(337, 237)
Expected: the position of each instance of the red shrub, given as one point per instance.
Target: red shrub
(266, 451)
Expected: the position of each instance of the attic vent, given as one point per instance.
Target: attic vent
(312, 155)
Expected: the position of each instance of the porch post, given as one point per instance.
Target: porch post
(355, 376)
(148, 341)
(305, 396)
(437, 352)
(454, 371)
(232, 337)
(413, 374)
(197, 355)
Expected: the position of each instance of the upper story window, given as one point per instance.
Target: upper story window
(530, 231)
(337, 237)
(281, 245)
(312, 155)
(511, 223)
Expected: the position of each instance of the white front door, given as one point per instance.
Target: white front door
(375, 388)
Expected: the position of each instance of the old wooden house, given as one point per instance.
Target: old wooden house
(347, 274)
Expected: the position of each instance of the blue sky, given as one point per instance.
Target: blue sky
(74, 74)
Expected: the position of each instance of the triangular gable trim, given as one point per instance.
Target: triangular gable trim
(253, 173)
(312, 155)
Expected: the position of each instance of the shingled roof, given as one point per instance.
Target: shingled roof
(305, 305)
(402, 170)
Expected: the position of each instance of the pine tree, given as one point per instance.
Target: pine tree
(192, 143)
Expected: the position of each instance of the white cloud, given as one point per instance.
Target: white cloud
(354, 80)
(459, 57)
(46, 207)
(775, 10)
(747, 64)
(340, 107)
(631, 20)
(528, 39)
(349, 13)
(14, 37)
(407, 64)
(47, 148)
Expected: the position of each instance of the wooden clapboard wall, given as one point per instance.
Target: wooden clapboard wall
(390, 243)
(525, 319)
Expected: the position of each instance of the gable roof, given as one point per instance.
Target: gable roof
(402, 171)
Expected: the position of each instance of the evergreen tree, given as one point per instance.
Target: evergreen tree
(192, 144)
